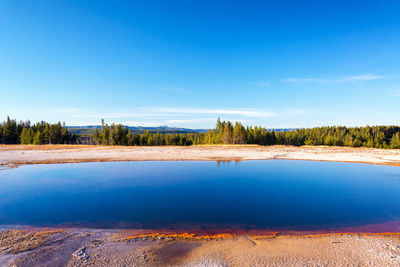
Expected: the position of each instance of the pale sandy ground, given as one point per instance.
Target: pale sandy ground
(107, 248)
(16, 155)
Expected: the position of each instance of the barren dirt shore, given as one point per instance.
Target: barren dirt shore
(88, 247)
(14, 155)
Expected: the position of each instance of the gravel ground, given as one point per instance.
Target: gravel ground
(88, 247)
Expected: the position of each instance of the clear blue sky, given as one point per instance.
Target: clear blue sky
(183, 63)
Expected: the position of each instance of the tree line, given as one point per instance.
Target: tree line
(228, 133)
(13, 132)
(225, 132)
(120, 135)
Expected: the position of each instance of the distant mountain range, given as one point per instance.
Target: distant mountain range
(89, 129)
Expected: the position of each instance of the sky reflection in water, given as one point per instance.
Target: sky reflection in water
(273, 194)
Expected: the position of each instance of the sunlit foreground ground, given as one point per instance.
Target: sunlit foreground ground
(14, 155)
(82, 247)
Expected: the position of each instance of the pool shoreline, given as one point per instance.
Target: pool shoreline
(389, 228)
(16, 155)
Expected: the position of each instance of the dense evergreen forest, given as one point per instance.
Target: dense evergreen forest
(227, 133)
(13, 132)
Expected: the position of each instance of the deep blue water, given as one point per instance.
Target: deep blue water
(274, 194)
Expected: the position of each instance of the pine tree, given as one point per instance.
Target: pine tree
(38, 138)
(24, 138)
(395, 142)
(96, 137)
(228, 133)
(239, 134)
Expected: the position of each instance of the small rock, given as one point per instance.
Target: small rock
(81, 254)
(96, 243)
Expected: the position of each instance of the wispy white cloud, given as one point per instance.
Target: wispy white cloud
(290, 112)
(143, 123)
(175, 89)
(262, 84)
(393, 93)
(164, 112)
(121, 114)
(357, 78)
(180, 116)
(240, 112)
(65, 110)
(191, 120)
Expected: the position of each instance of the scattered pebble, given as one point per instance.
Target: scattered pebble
(81, 254)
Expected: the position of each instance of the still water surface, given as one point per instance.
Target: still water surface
(273, 194)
